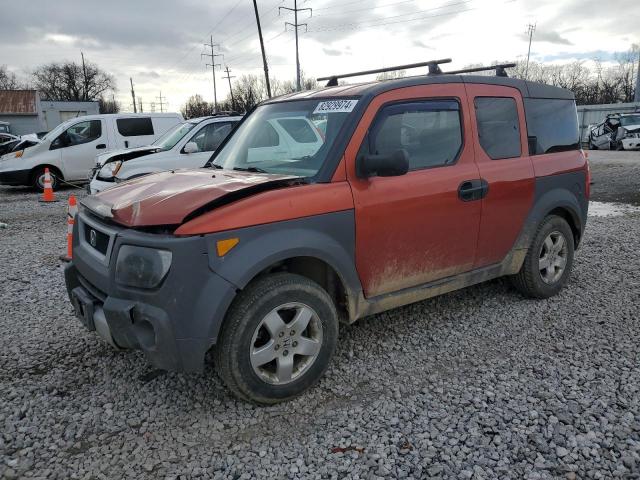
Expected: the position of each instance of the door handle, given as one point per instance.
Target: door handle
(126, 144)
(471, 190)
(101, 146)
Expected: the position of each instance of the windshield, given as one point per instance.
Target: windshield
(284, 138)
(173, 136)
(630, 120)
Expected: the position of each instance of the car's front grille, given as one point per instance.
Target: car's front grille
(97, 239)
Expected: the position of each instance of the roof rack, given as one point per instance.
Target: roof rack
(500, 69)
(432, 64)
(434, 69)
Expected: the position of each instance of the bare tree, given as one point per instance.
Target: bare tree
(248, 91)
(9, 80)
(108, 106)
(196, 106)
(68, 81)
(602, 84)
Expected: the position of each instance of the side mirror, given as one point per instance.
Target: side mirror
(387, 165)
(191, 147)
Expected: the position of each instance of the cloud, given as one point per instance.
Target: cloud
(159, 42)
(332, 52)
(548, 36)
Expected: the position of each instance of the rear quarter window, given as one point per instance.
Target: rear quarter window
(299, 129)
(498, 127)
(552, 125)
(134, 127)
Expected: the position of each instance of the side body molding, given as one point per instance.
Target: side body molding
(564, 191)
(328, 237)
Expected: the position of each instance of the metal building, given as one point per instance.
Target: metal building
(27, 113)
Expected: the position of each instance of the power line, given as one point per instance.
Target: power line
(133, 96)
(296, 26)
(229, 77)
(213, 66)
(162, 104)
(531, 28)
(264, 55)
(363, 25)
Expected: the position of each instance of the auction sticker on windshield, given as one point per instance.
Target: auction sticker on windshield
(336, 106)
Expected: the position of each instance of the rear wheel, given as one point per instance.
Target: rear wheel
(548, 263)
(278, 338)
(37, 179)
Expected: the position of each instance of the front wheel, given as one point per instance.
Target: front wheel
(278, 339)
(547, 266)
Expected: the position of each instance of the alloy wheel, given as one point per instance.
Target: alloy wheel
(286, 343)
(553, 257)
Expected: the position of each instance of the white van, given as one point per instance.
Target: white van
(187, 145)
(70, 149)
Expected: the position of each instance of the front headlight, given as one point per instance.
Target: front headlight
(110, 170)
(142, 267)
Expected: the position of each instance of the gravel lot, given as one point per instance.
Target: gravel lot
(475, 384)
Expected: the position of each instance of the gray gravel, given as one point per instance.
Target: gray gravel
(475, 384)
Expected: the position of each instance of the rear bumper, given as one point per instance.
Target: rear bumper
(173, 325)
(15, 177)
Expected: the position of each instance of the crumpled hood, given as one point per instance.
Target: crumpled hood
(633, 128)
(125, 154)
(166, 198)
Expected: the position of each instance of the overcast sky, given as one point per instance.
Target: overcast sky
(159, 42)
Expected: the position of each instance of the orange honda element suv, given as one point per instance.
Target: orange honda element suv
(327, 206)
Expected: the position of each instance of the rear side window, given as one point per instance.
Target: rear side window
(552, 125)
(498, 127)
(133, 127)
(266, 136)
(211, 136)
(429, 131)
(299, 129)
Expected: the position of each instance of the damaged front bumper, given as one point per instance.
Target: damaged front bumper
(175, 323)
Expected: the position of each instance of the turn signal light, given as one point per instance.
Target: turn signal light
(19, 153)
(224, 246)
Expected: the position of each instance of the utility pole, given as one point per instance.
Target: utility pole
(296, 26)
(229, 77)
(636, 96)
(140, 104)
(161, 102)
(133, 96)
(264, 55)
(84, 78)
(530, 29)
(213, 66)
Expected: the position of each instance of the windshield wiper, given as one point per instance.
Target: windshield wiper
(250, 169)
(215, 165)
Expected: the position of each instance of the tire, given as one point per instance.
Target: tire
(535, 281)
(261, 320)
(37, 179)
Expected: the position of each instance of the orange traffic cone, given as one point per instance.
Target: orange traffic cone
(48, 195)
(72, 210)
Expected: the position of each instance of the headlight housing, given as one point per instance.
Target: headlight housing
(110, 170)
(142, 267)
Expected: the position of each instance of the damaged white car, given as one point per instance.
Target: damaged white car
(617, 132)
(187, 145)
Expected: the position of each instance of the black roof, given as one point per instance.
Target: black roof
(371, 89)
